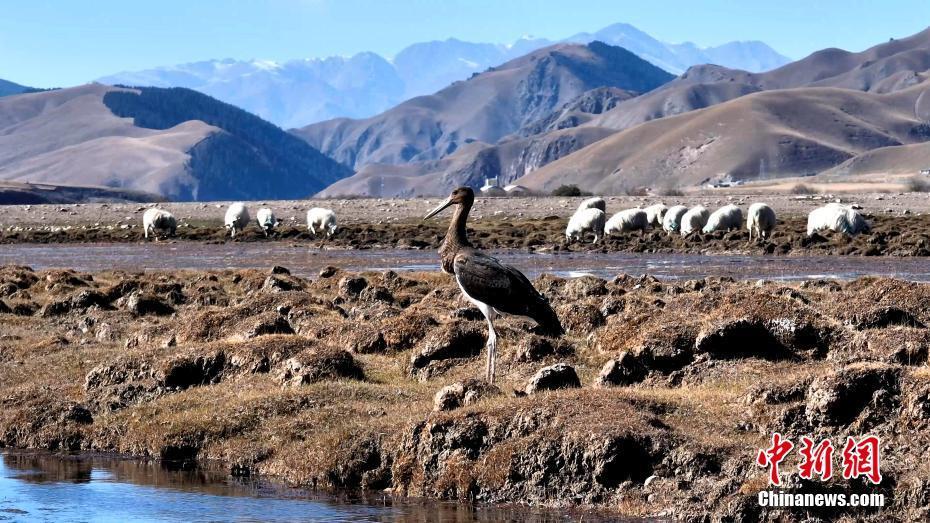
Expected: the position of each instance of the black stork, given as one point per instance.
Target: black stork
(491, 285)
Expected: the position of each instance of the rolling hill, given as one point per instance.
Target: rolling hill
(485, 108)
(907, 159)
(769, 134)
(177, 143)
(470, 165)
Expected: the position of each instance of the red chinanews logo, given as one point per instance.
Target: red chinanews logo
(773, 456)
(860, 458)
(816, 460)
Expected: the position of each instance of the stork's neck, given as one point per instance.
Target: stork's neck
(455, 237)
(456, 233)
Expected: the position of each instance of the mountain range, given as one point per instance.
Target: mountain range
(300, 92)
(803, 118)
(711, 123)
(592, 114)
(485, 108)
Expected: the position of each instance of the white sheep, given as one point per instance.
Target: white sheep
(725, 218)
(837, 218)
(671, 222)
(237, 218)
(655, 214)
(628, 220)
(154, 220)
(584, 221)
(694, 220)
(322, 219)
(593, 203)
(266, 220)
(760, 220)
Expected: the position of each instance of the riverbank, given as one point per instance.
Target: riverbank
(670, 387)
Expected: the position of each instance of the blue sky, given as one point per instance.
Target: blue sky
(48, 43)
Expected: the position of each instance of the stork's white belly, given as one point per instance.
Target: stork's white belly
(488, 311)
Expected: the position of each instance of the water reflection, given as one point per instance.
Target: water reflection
(44, 487)
(32, 468)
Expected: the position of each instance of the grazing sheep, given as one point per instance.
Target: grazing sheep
(266, 220)
(655, 213)
(237, 218)
(725, 218)
(694, 220)
(628, 220)
(584, 221)
(593, 203)
(159, 220)
(837, 218)
(671, 222)
(760, 220)
(322, 219)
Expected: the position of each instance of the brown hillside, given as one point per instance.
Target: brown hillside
(768, 134)
(470, 165)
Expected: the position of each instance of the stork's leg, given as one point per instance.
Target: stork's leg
(489, 314)
(492, 352)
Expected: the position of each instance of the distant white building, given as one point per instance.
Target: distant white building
(516, 190)
(925, 172)
(722, 184)
(491, 188)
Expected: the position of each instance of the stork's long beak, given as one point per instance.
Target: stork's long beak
(445, 203)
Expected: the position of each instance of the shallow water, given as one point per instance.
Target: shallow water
(45, 487)
(306, 261)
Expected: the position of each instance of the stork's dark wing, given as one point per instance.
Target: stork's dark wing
(503, 287)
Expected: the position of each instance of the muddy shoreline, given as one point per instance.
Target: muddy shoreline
(661, 392)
